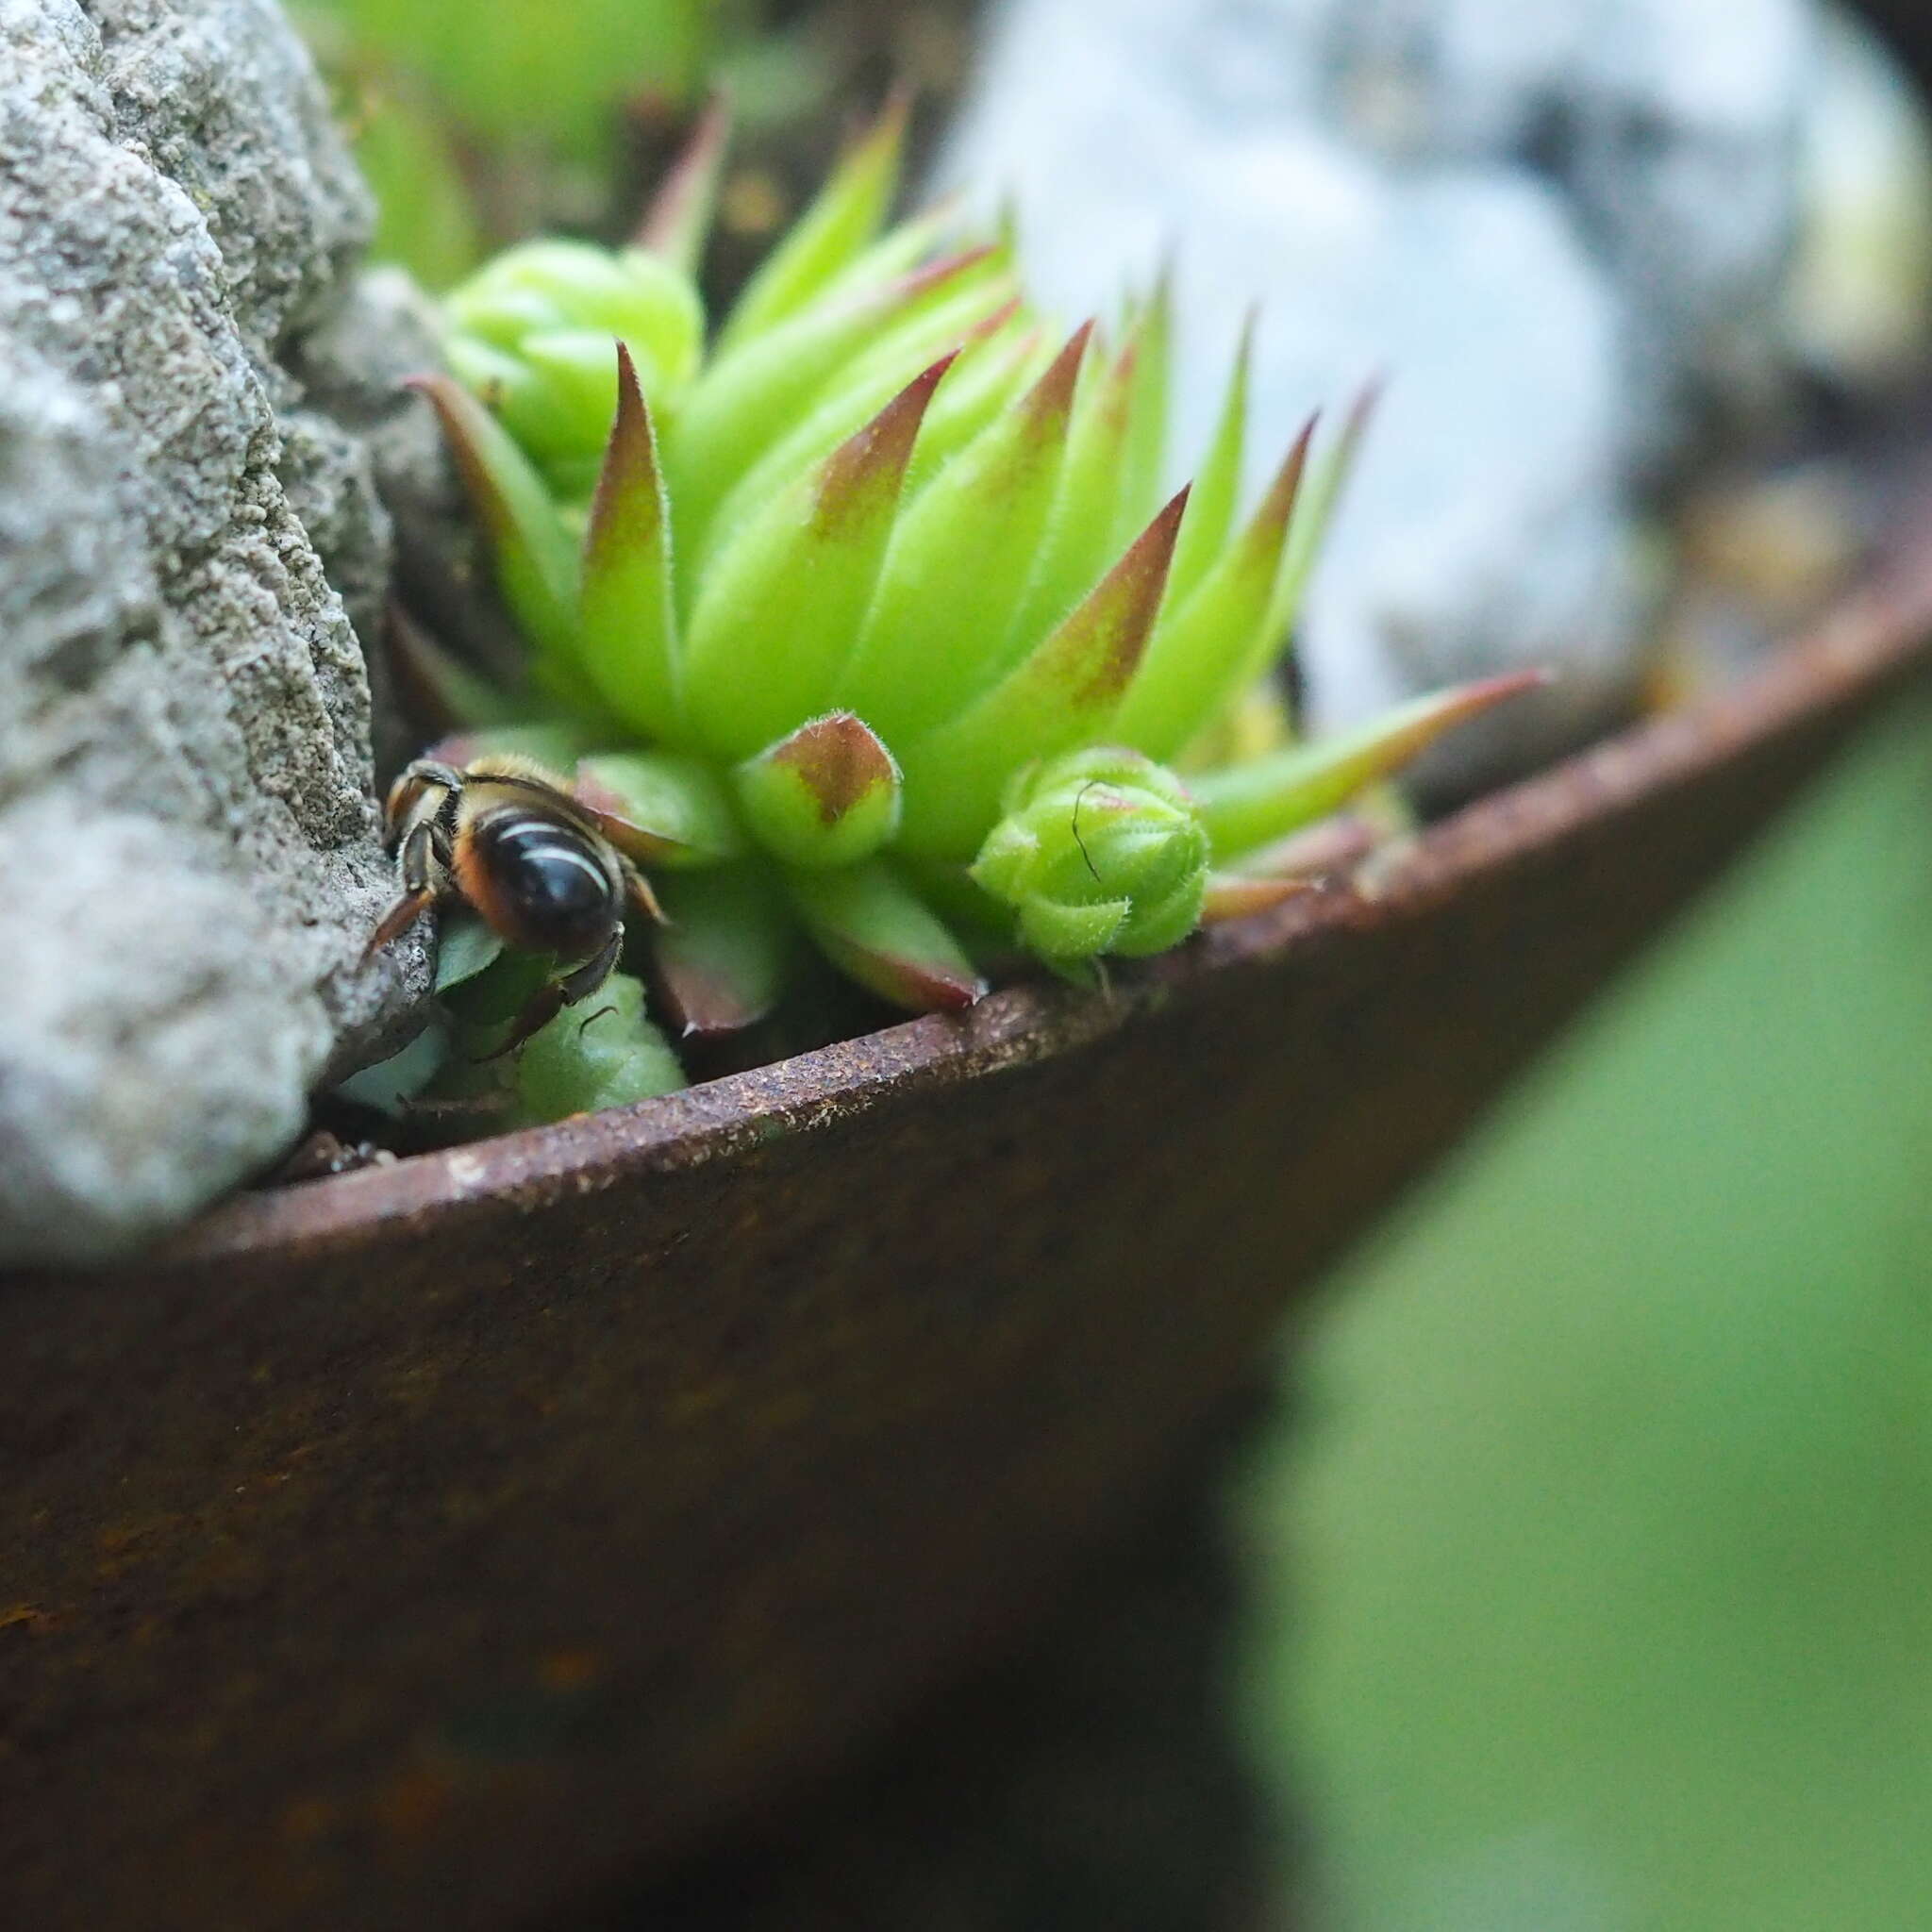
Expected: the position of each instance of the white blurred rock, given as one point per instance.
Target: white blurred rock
(1562, 229)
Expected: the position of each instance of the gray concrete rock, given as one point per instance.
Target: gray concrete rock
(189, 855)
(1560, 227)
(352, 368)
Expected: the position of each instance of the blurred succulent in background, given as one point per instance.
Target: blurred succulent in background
(477, 120)
(870, 611)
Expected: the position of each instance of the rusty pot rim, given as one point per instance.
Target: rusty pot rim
(1873, 639)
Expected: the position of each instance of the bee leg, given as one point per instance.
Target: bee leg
(555, 994)
(417, 896)
(638, 891)
(587, 977)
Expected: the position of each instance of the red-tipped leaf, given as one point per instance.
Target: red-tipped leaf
(536, 561)
(1249, 805)
(871, 925)
(628, 611)
(678, 220)
(726, 952)
(760, 655)
(951, 581)
(1230, 896)
(755, 394)
(825, 794)
(1063, 694)
(1204, 652)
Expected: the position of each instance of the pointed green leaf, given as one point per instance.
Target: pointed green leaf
(1329, 846)
(828, 235)
(1217, 485)
(726, 951)
(1311, 524)
(536, 560)
(827, 794)
(1201, 656)
(1249, 805)
(1063, 694)
(438, 688)
(752, 396)
(1078, 543)
(906, 343)
(957, 565)
(1232, 895)
(899, 250)
(875, 931)
(997, 360)
(675, 805)
(629, 628)
(1146, 444)
(782, 602)
(851, 398)
(677, 223)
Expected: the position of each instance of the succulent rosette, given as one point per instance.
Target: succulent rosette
(868, 606)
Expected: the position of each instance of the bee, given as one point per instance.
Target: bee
(546, 872)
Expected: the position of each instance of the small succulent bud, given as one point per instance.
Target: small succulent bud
(1102, 852)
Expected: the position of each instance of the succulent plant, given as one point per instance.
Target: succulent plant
(869, 609)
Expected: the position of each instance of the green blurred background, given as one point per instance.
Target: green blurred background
(1595, 1574)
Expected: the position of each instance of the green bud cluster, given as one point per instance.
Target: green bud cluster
(1101, 852)
(531, 332)
(870, 608)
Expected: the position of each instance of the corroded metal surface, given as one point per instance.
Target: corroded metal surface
(423, 1546)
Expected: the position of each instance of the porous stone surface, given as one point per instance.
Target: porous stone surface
(1559, 228)
(190, 853)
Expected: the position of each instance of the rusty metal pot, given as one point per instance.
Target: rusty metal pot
(418, 1547)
